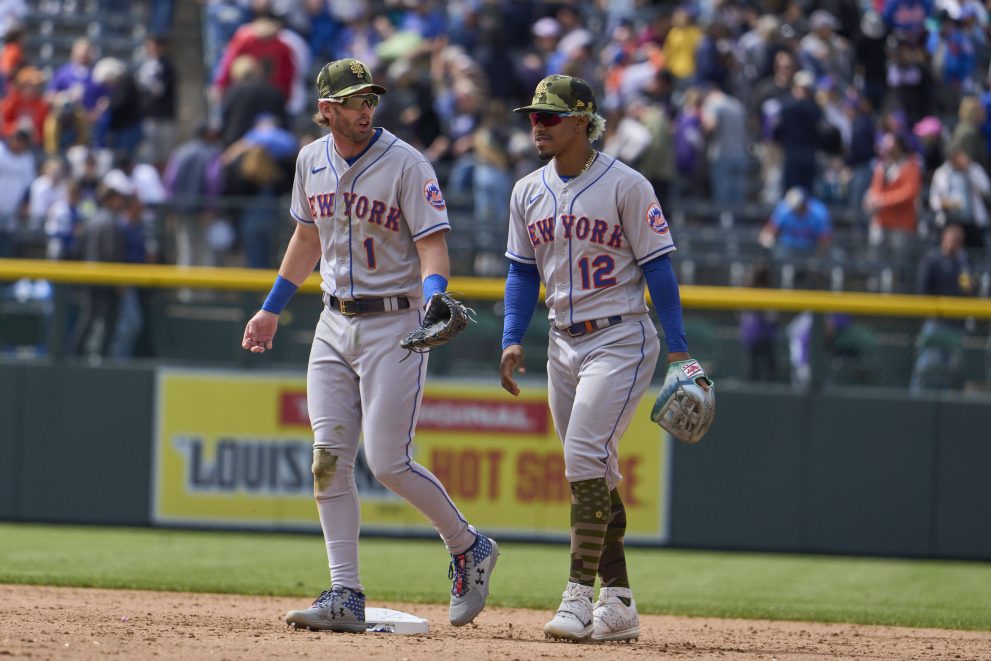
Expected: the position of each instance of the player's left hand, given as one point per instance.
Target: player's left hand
(260, 331)
(512, 360)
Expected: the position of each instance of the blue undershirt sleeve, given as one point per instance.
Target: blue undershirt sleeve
(522, 290)
(664, 294)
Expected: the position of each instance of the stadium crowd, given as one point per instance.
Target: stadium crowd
(830, 117)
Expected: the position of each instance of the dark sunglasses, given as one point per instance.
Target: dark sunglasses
(358, 101)
(548, 118)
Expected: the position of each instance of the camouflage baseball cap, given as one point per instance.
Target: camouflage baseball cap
(562, 94)
(345, 77)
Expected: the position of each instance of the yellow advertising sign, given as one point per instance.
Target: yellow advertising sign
(234, 448)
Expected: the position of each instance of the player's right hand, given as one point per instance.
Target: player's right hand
(259, 332)
(512, 361)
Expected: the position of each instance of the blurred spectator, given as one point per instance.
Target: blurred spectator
(759, 332)
(681, 43)
(929, 133)
(910, 80)
(222, 20)
(259, 168)
(770, 96)
(714, 57)
(967, 134)
(17, 170)
(156, 80)
(957, 194)
(797, 132)
(299, 95)
(25, 104)
(859, 157)
(870, 56)
(143, 177)
(944, 271)
(47, 190)
(12, 53)
(118, 127)
(100, 240)
(492, 186)
(657, 161)
(907, 16)
(757, 48)
(892, 199)
(689, 145)
(259, 39)
(65, 222)
(193, 181)
(73, 82)
(249, 96)
(135, 244)
(799, 226)
(953, 59)
(823, 49)
(725, 124)
(12, 12)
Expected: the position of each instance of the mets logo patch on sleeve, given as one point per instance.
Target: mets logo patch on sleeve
(656, 220)
(435, 198)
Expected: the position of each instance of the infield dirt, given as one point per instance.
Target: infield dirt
(70, 623)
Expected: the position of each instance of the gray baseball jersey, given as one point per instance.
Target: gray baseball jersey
(369, 215)
(588, 238)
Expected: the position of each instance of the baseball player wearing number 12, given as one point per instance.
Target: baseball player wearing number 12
(368, 209)
(592, 230)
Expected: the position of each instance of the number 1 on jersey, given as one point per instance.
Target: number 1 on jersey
(369, 252)
(603, 266)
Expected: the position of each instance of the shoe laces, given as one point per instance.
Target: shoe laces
(457, 572)
(328, 597)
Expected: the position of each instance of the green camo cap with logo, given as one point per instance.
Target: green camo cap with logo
(342, 78)
(561, 94)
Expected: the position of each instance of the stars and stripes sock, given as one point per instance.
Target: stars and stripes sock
(590, 508)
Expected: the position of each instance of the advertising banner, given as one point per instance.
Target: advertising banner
(234, 449)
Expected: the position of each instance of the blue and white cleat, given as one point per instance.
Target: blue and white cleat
(337, 609)
(471, 573)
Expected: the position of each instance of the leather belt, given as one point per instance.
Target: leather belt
(366, 305)
(592, 325)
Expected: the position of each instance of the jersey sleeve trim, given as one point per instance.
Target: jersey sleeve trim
(432, 229)
(655, 254)
(520, 258)
(300, 219)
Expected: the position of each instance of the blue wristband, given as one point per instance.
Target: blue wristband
(281, 292)
(433, 284)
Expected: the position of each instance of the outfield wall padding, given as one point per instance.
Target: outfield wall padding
(844, 471)
(85, 452)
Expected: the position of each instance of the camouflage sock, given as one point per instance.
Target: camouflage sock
(589, 517)
(612, 564)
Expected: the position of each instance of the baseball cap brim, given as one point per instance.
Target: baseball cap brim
(354, 89)
(544, 107)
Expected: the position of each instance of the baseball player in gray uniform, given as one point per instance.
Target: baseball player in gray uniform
(592, 230)
(367, 207)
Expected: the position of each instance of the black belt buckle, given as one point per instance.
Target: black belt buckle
(577, 330)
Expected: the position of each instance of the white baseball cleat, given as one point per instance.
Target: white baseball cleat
(615, 615)
(573, 620)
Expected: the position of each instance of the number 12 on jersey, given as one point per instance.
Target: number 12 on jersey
(598, 274)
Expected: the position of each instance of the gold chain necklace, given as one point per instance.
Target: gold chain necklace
(588, 164)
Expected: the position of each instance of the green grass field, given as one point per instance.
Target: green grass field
(921, 593)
